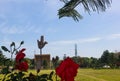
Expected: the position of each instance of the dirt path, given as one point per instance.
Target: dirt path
(99, 79)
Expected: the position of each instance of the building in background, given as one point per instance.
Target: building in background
(42, 61)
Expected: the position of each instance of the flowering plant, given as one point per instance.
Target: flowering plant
(21, 65)
(67, 70)
(20, 68)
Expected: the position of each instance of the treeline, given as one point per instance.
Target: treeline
(107, 60)
(110, 59)
(4, 60)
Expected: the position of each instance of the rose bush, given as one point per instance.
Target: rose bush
(20, 55)
(67, 70)
(21, 65)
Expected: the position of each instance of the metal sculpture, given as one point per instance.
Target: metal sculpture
(41, 44)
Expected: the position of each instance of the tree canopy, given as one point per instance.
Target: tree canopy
(68, 10)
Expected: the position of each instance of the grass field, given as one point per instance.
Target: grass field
(98, 75)
(92, 74)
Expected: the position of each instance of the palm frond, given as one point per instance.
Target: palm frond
(69, 13)
(89, 5)
(65, 1)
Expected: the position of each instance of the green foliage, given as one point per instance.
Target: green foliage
(12, 44)
(22, 42)
(24, 76)
(42, 77)
(107, 58)
(5, 49)
(55, 61)
(31, 64)
(77, 59)
(3, 60)
(68, 10)
(7, 62)
(17, 77)
(13, 75)
(5, 70)
(45, 77)
(69, 13)
(13, 49)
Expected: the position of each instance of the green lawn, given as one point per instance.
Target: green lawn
(91, 74)
(98, 75)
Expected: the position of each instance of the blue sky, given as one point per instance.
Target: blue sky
(29, 19)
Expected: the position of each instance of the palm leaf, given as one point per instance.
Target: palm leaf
(70, 13)
(68, 9)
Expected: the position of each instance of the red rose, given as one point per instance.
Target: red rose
(67, 70)
(23, 66)
(20, 55)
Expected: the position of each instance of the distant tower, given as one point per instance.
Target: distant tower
(64, 57)
(75, 50)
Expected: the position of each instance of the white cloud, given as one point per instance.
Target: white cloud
(114, 36)
(19, 29)
(86, 40)
(78, 41)
(89, 40)
(51, 30)
(10, 30)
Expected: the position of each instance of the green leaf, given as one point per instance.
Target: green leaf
(44, 76)
(68, 10)
(5, 70)
(21, 74)
(50, 76)
(12, 44)
(69, 13)
(43, 80)
(5, 49)
(22, 42)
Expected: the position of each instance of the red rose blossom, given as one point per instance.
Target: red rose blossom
(20, 55)
(67, 70)
(23, 66)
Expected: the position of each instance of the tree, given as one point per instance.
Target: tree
(2, 58)
(85, 62)
(68, 10)
(108, 58)
(55, 61)
(105, 58)
(32, 64)
(77, 59)
(94, 62)
(118, 62)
